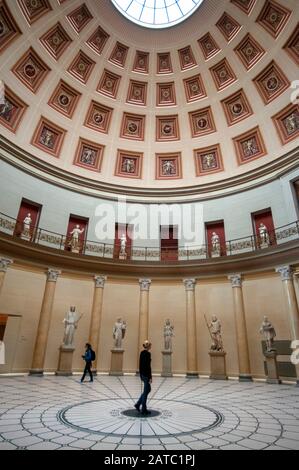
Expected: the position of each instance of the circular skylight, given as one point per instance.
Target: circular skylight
(157, 13)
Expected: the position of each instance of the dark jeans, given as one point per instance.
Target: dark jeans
(146, 391)
(87, 369)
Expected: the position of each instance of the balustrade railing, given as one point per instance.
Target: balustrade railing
(237, 246)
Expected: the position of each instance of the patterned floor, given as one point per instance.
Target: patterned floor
(60, 413)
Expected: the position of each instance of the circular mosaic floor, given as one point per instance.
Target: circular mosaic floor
(109, 417)
(60, 413)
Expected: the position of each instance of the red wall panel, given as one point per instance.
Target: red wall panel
(264, 217)
(169, 243)
(121, 229)
(26, 208)
(73, 222)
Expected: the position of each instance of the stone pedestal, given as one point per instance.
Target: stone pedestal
(65, 364)
(215, 254)
(25, 235)
(218, 365)
(264, 245)
(166, 364)
(272, 367)
(123, 256)
(117, 357)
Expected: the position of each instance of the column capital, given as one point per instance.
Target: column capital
(286, 272)
(99, 282)
(145, 284)
(236, 280)
(52, 275)
(4, 264)
(189, 284)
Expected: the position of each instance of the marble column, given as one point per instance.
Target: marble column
(192, 367)
(41, 341)
(4, 264)
(143, 312)
(241, 330)
(286, 273)
(96, 316)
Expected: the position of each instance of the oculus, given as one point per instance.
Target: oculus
(157, 14)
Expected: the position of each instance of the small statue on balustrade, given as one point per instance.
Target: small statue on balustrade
(215, 240)
(75, 238)
(27, 226)
(264, 234)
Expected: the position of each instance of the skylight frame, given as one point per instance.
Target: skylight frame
(134, 11)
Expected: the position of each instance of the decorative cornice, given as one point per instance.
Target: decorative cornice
(236, 280)
(286, 272)
(189, 284)
(99, 282)
(145, 284)
(52, 275)
(27, 162)
(4, 264)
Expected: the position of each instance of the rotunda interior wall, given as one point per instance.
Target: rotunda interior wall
(235, 209)
(22, 297)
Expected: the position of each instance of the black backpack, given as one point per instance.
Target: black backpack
(93, 355)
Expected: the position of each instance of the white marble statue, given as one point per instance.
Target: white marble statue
(70, 325)
(75, 238)
(119, 331)
(264, 234)
(27, 225)
(215, 331)
(269, 333)
(27, 222)
(123, 244)
(2, 353)
(168, 335)
(215, 240)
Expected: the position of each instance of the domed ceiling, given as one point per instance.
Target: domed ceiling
(93, 94)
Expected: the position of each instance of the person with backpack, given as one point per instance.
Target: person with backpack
(88, 357)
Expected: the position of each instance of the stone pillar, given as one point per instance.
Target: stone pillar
(192, 369)
(4, 264)
(286, 273)
(44, 324)
(143, 312)
(241, 330)
(96, 316)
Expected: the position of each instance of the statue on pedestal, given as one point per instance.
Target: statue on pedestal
(119, 331)
(215, 240)
(269, 333)
(70, 325)
(264, 234)
(27, 225)
(75, 242)
(168, 335)
(123, 245)
(215, 331)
